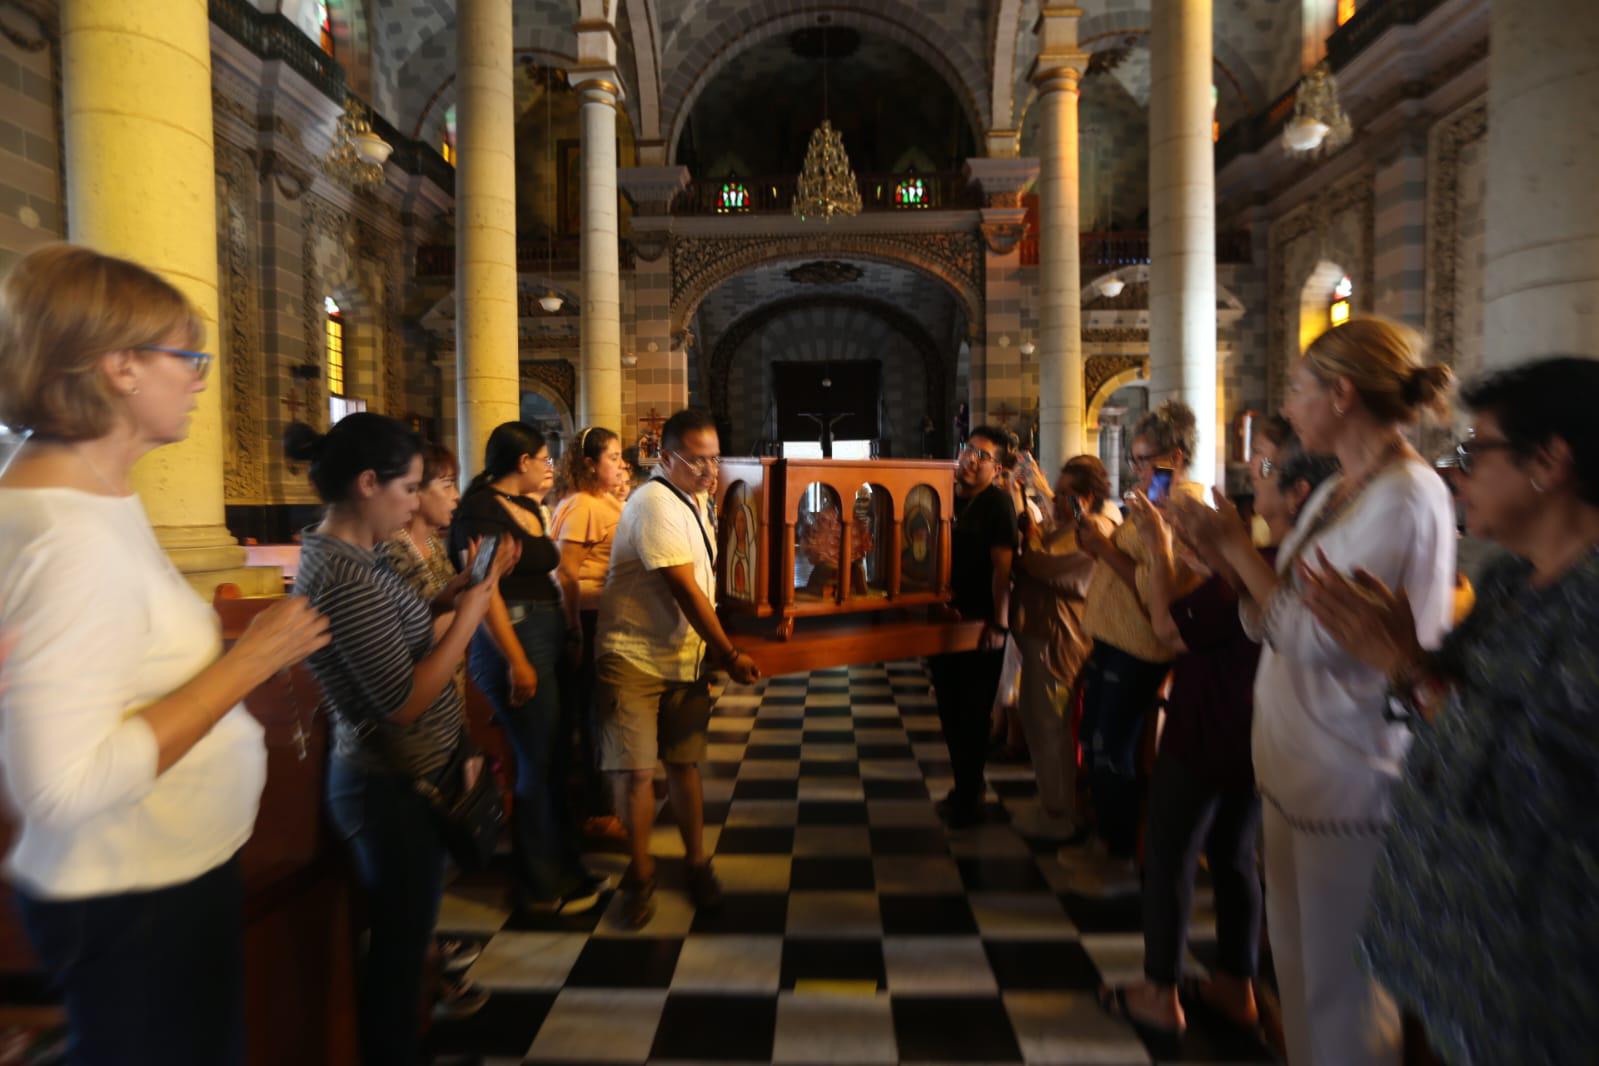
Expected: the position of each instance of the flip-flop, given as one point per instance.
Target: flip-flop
(1113, 1001)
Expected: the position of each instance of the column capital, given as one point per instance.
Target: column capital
(1002, 180)
(1060, 63)
(597, 82)
(652, 189)
(1003, 144)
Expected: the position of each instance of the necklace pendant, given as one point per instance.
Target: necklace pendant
(301, 746)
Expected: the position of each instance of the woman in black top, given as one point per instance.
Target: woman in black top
(516, 658)
(396, 711)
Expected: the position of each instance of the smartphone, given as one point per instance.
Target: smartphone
(1160, 486)
(485, 559)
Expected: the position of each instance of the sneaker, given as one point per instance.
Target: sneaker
(703, 887)
(456, 956)
(638, 903)
(580, 900)
(458, 1000)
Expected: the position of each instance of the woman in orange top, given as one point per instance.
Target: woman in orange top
(582, 527)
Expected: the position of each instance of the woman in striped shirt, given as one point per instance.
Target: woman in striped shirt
(396, 711)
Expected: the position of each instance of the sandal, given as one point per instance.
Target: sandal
(1191, 990)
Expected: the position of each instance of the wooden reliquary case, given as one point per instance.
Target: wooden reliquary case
(804, 537)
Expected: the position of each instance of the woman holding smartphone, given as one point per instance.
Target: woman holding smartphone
(517, 660)
(397, 714)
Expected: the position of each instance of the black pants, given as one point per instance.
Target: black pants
(594, 792)
(1188, 816)
(964, 684)
(1119, 691)
(149, 977)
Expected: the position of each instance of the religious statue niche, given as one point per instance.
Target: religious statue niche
(918, 559)
(791, 548)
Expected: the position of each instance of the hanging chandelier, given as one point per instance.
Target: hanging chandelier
(551, 301)
(826, 184)
(1319, 122)
(357, 156)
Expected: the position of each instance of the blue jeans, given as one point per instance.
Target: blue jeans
(1119, 690)
(547, 858)
(151, 977)
(399, 857)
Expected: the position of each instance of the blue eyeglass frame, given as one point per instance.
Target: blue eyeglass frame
(200, 361)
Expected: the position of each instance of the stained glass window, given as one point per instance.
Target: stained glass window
(911, 192)
(1343, 292)
(732, 196)
(447, 145)
(335, 338)
(324, 22)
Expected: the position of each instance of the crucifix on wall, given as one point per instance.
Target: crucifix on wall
(649, 444)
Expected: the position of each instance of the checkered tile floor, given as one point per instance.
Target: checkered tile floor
(856, 928)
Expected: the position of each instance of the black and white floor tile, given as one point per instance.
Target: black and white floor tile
(856, 929)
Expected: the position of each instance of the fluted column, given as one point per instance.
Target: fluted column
(1541, 246)
(1182, 221)
(600, 388)
(1057, 74)
(487, 377)
(141, 184)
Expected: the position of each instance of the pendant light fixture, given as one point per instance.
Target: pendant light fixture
(826, 184)
(551, 301)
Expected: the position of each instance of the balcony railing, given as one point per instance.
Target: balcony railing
(533, 256)
(773, 194)
(1371, 20)
(1119, 248)
(274, 36)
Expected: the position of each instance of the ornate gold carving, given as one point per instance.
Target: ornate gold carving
(1001, 237)
(1098, 369)
(699, 264)
(558, 375)
(243, 424)
(1444, 226)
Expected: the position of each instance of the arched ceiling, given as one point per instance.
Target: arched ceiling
(669, 52)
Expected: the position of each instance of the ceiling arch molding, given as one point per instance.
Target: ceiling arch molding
(965, 73)
(700, 264)
(938, 372)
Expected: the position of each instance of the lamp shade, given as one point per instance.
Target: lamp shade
(372, 148)
(1304, 133)
(551, 302)
(1112, 287)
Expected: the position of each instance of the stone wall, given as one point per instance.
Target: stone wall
(31, 197)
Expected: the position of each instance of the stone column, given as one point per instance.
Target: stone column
(660, 372)
(1541, 246)
(1182, 221)
(141, 184)
(488, 378)
(1056, 73)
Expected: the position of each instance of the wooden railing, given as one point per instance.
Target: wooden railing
(773, 194)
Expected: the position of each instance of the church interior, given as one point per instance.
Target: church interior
(1043, 216)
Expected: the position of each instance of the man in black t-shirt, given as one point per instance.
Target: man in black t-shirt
(964, 683)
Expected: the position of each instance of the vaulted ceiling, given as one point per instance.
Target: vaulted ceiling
(671, 51)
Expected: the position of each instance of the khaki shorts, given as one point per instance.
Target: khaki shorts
(643, 717)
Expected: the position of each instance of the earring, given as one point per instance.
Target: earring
(1339, 411)
(1534, 483)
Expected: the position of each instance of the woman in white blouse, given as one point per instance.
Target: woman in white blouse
(128, 757)
(1326, 753)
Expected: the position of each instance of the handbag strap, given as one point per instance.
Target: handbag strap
(683, 497)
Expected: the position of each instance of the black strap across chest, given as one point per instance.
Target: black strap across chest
(687, 501)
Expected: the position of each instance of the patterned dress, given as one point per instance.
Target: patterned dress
(1484, 918)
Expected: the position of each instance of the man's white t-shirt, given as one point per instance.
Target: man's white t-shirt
(639, 619)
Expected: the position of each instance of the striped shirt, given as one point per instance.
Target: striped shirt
(381, 630)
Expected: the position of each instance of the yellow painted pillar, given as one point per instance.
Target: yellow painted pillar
(487, 380)
(1057, 74)
(141, 184)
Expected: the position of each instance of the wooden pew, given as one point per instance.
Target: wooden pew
(299, 965)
